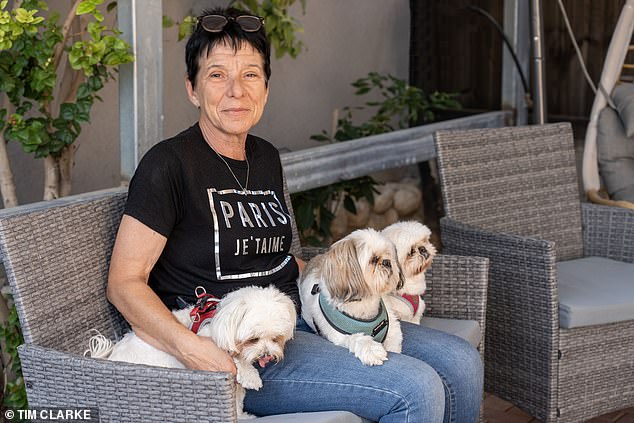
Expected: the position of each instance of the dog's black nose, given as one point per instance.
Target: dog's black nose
(387, 263)
(423, 252)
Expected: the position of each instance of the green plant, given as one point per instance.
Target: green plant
(280, 27)
(10, 338)
(397, 105)
(50, 75)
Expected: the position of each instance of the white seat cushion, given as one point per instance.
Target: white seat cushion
(468, 330)
(594, 291)
(321, 417)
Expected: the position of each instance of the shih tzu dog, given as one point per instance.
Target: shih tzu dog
(341, 293)
(252, 324)
(415, 255)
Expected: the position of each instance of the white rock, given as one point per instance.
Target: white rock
(380, 221)
(383, 200)
(339, 225)
(407, 200)
(360, 219)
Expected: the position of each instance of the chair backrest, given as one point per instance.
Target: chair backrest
(56, 255)
(520, 180)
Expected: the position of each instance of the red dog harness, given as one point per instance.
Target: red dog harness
(204, 310)
(413, 300)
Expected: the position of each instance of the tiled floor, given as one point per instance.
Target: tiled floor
(497, 410)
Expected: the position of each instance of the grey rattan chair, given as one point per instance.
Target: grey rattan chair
(56, 256)
(511, 194)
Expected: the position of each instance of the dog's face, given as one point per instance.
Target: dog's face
(363, 264)
(415, 253)
(255, 323)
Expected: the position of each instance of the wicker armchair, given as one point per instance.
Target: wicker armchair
(511, 194)
(56, 255)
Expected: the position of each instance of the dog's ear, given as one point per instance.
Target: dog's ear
(342, 274)
(226, 322)
(401, 275)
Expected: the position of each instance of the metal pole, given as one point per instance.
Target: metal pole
(140, 82)
(539, 79)
(516, 28)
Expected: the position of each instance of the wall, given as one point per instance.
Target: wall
(344, 40)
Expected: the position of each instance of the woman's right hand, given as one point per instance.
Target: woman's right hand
(201, 353)
(136, 250)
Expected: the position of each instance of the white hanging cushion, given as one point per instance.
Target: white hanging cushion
(594, 291)
(616, 156)
(623, 98)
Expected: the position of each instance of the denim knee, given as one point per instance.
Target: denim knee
(422, 394)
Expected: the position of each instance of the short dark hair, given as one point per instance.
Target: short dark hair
(202, 41)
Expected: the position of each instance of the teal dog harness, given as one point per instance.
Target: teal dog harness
(376, 327)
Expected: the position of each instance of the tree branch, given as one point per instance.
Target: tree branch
(59, 48)
(7, 184)
(51, 178)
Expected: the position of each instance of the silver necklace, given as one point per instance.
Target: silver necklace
(246, 158)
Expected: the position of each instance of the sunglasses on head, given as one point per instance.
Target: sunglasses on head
(216, 23)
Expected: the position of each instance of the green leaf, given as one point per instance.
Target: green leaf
(85, 7)
(320, 137)
(349, 205)
(68, 111)
(167, 22)
(305, 216)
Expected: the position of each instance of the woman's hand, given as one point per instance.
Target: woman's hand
(201, 353)
(136, 250)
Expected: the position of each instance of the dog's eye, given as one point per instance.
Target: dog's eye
(412, 251)
(422, 250)
(252, 341)
(387, 263)
(374, 260)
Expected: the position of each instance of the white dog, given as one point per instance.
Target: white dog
(415, 255)
(341, 294)
(252, 324)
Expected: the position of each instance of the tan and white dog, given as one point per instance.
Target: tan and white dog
(415, 254)
(341, 293)
(252, 324)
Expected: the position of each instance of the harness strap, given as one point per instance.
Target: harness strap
(376, 327)
(412, 301)
(204, 310)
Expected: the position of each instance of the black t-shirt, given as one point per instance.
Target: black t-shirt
(218, 236)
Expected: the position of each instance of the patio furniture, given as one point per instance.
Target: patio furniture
(56, 256)
(560, 311)
(608, 154)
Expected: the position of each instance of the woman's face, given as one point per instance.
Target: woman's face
(231, 90)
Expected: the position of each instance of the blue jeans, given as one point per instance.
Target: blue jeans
(437, 378)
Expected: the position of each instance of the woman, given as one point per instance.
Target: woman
(206, 208)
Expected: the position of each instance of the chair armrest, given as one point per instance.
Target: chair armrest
(608, 232)
(310, 252)
(522, 326)
(124, 391)
(457, 288)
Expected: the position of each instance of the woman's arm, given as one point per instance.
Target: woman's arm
(136, 250)
(300, 264)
